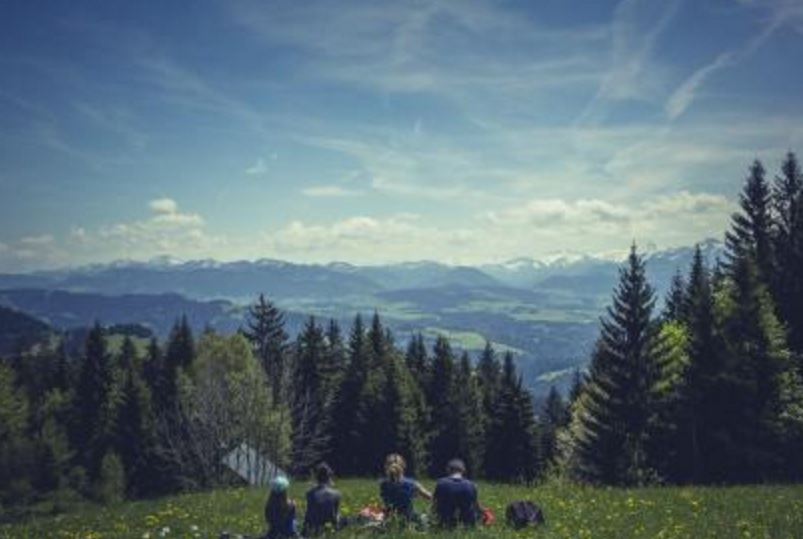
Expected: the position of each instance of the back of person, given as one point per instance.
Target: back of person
(323, 503)
(397, 495)
(456, 498)
(280, 511)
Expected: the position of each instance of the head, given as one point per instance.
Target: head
(456, 467)
(394, 467)
(323, 474)
(278, 502)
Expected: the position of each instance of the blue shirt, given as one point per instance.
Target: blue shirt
(398, 495)
(456, 501)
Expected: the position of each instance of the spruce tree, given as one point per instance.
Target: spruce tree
(554, 416)
(93, 428)
(757, 360)
(347, 438)
(265, 331)
(179, 355)
(311, 398)
(703, 394)
(407, 415)
(418, 360)
(136, 436)
(612, 415)
(787, 285)
(470, 417)
(675, 303)
(513, 440)
(440, 396)
(373, 416)
(750, 233)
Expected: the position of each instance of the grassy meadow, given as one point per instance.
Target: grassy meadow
(571, 512)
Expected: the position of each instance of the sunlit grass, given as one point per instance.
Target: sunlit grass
(571, 512)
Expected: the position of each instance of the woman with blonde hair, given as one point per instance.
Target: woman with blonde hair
(398, 491)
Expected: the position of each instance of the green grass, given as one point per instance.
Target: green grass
(571, 512)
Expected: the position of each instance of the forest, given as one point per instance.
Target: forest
(704, 386)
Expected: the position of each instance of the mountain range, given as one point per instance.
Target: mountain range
(543, 310)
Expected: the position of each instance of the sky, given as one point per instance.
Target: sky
(370, 132)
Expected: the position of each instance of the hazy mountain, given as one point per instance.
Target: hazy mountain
(19, 329)
(545, 311)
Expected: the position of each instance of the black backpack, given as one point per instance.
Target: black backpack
(521, 514)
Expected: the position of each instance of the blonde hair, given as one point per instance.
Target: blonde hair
(394, 467)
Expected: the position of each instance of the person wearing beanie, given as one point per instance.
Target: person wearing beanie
(280, 511)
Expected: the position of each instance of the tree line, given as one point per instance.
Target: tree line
(709, 390)
(131, 418)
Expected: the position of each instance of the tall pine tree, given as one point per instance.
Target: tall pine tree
(265, 331)
(610, 434)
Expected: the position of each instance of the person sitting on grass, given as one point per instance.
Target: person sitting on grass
(323, 503)
(280, 511)
(455, 497)
(398, 491)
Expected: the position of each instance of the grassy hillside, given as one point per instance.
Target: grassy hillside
(571, 512)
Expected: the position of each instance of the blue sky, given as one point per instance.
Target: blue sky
(371, 132)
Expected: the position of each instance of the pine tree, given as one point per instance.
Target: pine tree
(63, 376)
(470, 417)
(675, 303)
(153, 373)
(514, 435)
(418, 360)
(311, 397)
(347, 439)
(750, 233)
(179, 355)
(407, 415)
(612, 414)
(703, 395)
(440, 394)
(265, 331)
(93, 429)
(373, 416)
(135, 436)
(757, 358)
(554, 416)
(787, 285)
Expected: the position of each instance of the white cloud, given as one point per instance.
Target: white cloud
(260, 168)
(329, 191)
(681, 98)
(36, 241)
(163, 206)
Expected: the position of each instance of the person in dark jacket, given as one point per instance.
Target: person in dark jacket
(398, 491)
(323, 503)
(455, 498)
(280, 511)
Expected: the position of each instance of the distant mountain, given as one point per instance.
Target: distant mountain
(543, 310)
(425, 274)
(157, 312)
(18, 329)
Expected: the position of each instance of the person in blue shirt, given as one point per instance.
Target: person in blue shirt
(280, 511)
(323, 503)
(455, 498)
(397, 491)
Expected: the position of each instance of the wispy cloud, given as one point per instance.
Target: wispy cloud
(330, 191)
